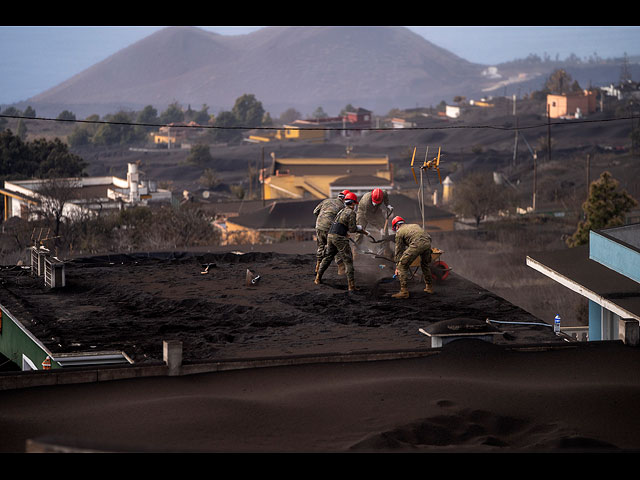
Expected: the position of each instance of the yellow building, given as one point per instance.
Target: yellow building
(303, 178)
(175, 133)
(291, 132)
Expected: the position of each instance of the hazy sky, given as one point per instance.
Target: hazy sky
(35, 58)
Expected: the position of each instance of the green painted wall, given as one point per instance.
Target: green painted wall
(14, 342)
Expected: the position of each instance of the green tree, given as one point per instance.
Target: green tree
(29, 112)
(173, 114)
(605, 207)
(80, 137)
(202, 116)
(319, 113)
(66, 115)
(199, 155)
(12, 112)
(560, 82)
(21, 129)
(225, 130)
(145, 119)
(209, 178)
(248, 111)
(289, 115)
(117, 131)
(347, 109)
(148, 116)
(40, 158)
(15, 157)
(55, 160)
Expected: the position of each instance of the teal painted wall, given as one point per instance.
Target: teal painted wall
(595, 321)
(615, 256)
(14, 342)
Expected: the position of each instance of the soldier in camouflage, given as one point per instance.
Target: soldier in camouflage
(338, 240)
(411, 242)
(325, 213)
(373, 210)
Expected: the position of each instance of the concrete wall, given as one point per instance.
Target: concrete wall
(173, 365)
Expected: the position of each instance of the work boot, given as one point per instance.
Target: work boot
(403, 293)
(318, 265)
(318, 279)
(428, 288)
(352, 285)
(341, 268)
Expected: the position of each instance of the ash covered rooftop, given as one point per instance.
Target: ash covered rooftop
(132, 303)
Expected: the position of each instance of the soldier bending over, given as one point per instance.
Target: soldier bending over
(411, 242)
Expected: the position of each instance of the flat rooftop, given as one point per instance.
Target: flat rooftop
(132, 303)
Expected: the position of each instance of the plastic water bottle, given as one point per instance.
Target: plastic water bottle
(556, 325)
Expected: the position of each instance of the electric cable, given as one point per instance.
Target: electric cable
(374, 129)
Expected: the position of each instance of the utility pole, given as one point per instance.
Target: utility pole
(535, 180)
(548, 133)
(588, 173)
(515, 146)
(250, 178)
(262, 175)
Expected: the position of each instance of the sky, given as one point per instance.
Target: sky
(36, 58)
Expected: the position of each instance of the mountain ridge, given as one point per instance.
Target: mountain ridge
(377, 68)
(299, 67)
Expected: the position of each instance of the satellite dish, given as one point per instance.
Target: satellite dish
(206, 194)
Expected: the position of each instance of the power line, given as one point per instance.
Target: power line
(375, 129)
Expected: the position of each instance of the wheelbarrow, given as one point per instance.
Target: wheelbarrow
(439, 269)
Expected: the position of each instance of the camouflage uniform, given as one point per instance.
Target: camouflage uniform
(370, 214)
(338, 244)
(325, 212)
(412, 242)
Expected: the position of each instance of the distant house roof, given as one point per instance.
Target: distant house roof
(360, 180)
(285, 215)
(330, 166)
(299, 213)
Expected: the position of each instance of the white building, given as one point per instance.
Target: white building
(452, 111)
(22, 197)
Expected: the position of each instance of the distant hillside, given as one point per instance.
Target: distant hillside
(302, 67)
(378, 68)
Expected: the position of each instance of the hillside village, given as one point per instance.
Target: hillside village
(156, 244)
(272, 203)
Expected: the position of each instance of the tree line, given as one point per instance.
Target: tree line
(130, 127)
(39, 158)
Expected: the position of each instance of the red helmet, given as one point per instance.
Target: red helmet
(342, 194)
(396, 222)
(377, 196)
(350, 197)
